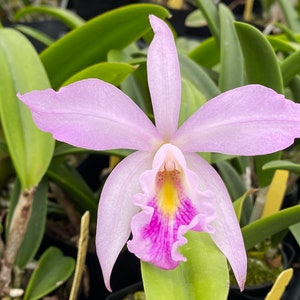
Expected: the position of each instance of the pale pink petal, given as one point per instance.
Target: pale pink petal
(164, 78)
(227, 235)
(171, 205)
(92, 114)
(116, 209)
(249, 120)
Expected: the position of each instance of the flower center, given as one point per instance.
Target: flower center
(168, 190)
(171, 204)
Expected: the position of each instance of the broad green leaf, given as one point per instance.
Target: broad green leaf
(261, 67)
(235, 186)
(203, 276)
(198, 77)
(294, 89)
(290, 14)
(66, 16)
(63, 149)
(36, 34)
(239, 203)
(264, 176)
(36, 226)
(136, 87)
(232, 179)
(210, 12)
(215, 157)
(53, 270)
(90, 43)
(290, 67)
(282, 165)
(195, 19)
(72, 183)
(185, 44)
(207, 54)
(232, 64)
(261, 63)
(22, 71)
(279, 44)
(261, 229)
(287, 32)
(113, 73)
(295, 230)
(191, 100)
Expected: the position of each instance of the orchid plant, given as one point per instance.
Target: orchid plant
(165, 188)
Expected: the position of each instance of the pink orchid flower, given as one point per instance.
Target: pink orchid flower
(165, 188)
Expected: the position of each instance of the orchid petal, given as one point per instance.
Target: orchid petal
(171, 205)
(92, 114)
(227, 235)
(116, 209)
(164, 78)
(249, 120)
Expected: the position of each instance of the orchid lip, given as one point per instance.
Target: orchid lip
(168, 209)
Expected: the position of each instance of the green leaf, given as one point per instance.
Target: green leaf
(295, 230)
(136, 87)
(290, 67)
(209, 10)
(232, 64)
(195, 19)
(279, 44)
(294, 89)
(53, 269)
(203, 276)
(73, 184)
(207, 54)
(90, 43)
(290, 14)
(36, 34)
(36, 226)
(282, 165)
(191, 100)
(66, 16)
(261, 229)
(63, 149)
(264, 176)
(261, 67)
(113, 73)
(198, 77)
(261, 63)
(287, 32)
(239, 203)
(232, 179)
(22, 71)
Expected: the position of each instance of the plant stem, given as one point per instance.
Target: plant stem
(17, 230)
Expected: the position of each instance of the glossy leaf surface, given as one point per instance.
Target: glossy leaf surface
(261, 67)
(203, 276)
(113, 73)
(66, 16)
(232, 64)
(207, 54)
(210, 12)
(72, 183)
(22, 71)
(90, 43)
(260, 59)
(261, 229)
(53, 270)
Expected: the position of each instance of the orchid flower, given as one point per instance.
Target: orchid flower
(165, 188)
